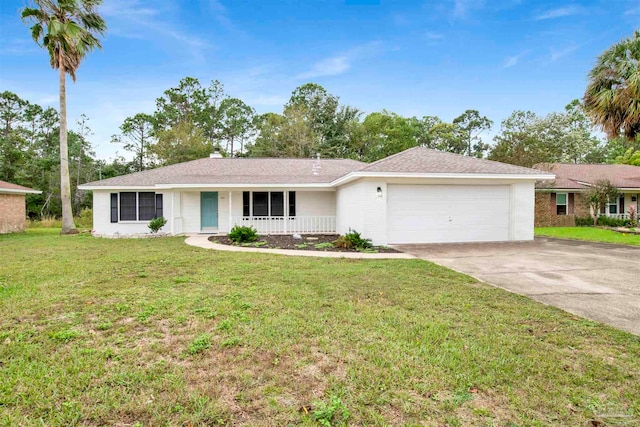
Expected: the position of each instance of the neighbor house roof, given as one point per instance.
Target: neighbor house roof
(8, 187)
(582, 176)
(245, 172)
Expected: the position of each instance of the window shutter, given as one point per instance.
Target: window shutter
(570, 203)
(245, 203)
(159, 207)
(114, 207)
(553, 204)
(292, 203)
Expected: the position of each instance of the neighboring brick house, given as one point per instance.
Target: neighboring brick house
(13, 212)
(561, 201)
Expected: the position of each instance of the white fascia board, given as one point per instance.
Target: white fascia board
(17, 191)
(355, 175)
(116, 187)
(256, 185)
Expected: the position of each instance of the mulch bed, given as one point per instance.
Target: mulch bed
(308, 242)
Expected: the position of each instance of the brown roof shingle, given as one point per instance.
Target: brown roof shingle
(238, 171)
(425, 160)
(4, 185)
(569, 176)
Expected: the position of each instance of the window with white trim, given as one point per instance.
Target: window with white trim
(612, 206)
(135, 206)
(562, 201)
(268, 203)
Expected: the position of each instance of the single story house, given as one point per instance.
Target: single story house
(416, 196)
(13, 210)
(560, 201)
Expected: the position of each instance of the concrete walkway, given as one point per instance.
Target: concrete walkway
(202, 241)
(596, 280)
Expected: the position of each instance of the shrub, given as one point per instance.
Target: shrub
(584, 222)
(157, 223)
(352, 240)
(243, 234)
(85, 218)
(612, 222)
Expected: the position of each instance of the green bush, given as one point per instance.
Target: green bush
(243, 234)
(613, 222)
(352, 240)
(157, 223)
(85, 218)
(584, 221)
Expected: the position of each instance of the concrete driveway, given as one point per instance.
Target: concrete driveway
(594, 280)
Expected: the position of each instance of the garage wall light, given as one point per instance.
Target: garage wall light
(379, 191)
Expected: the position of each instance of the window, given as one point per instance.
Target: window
(612, 206)
(292, 203)
(268, 204)
(146, 206)
(128, 207)
(277, 204)
(561, 204)
(260, 203)
(142, 206)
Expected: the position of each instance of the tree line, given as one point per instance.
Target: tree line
(191, 120)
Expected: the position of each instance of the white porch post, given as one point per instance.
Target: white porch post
(285, 209)
(230, 212)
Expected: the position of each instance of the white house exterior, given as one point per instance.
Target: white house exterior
(417, 196)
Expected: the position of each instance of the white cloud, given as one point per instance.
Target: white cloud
(511, 61)
(434, 36)
(559, 12)
(633, 11)
(462, 7)
(134, 19)
(341, 62)
(327, 67)
(557, 54)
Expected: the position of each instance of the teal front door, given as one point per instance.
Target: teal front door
(208, 210)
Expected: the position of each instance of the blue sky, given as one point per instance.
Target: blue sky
(411, 57)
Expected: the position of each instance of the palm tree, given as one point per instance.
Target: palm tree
(612, 99)
(68, 30)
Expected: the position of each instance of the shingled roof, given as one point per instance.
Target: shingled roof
(247, 171)
(425, 160)
(8, 187)
(580, 176)
(276, 171)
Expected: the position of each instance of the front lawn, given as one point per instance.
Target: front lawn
(153, 332)
(589, 233)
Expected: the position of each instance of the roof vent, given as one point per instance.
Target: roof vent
(216, 154)
(316, 165)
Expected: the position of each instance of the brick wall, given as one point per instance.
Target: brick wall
(13, 213)
(546, 213)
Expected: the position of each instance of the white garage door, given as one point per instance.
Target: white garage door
(447, 213)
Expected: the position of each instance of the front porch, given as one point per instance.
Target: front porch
(288, 225)
(269, 210)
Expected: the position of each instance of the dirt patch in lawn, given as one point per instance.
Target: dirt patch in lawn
(306, 242)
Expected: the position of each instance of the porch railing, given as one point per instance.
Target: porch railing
(616, 216)
(288, 225)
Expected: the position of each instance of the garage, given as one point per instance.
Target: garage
(447, 213)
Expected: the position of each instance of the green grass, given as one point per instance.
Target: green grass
(590, 234)
(153, 332)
